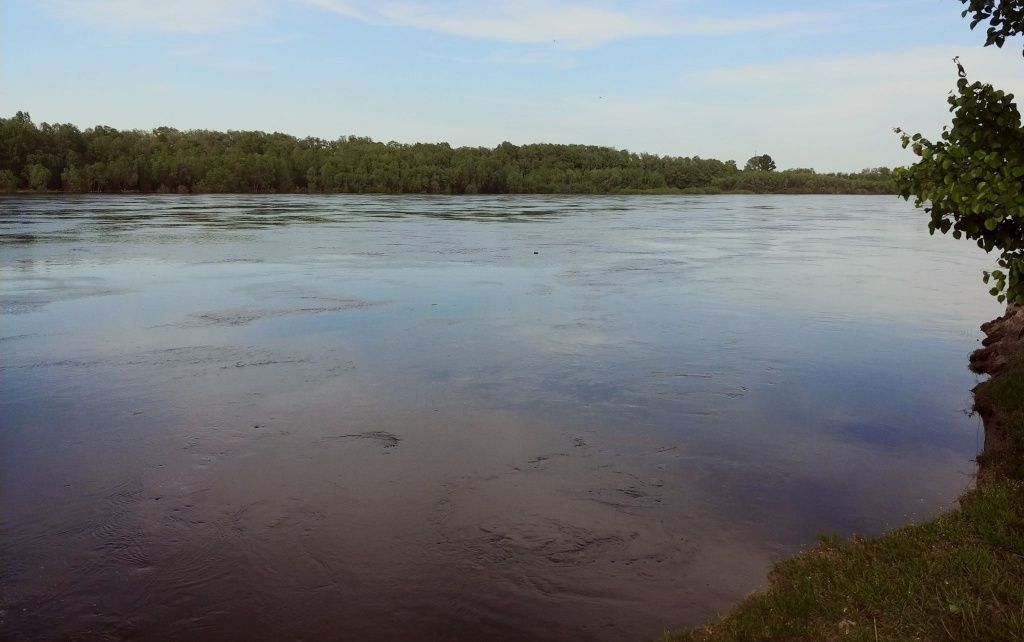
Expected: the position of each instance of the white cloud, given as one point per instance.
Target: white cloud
(577, 24)
(828, 113)
(189, 16)
(910, 70)
(513, 57)
(571, 23)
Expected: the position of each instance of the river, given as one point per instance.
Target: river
(461, 418)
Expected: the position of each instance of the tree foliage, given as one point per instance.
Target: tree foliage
(1005, 18)
(38, 177)
(103, 159)
(971, 181)
(762, 163)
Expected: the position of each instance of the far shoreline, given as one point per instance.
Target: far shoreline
(33, 193)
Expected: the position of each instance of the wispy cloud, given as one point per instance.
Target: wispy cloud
(804, 110)
(832, 113)
(572, 23)
(569, 23)
(188, 16)
(922, 70)
(512, 57)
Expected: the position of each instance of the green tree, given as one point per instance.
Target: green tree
(103, 159)
(1005, 18)
(72, 180)
(8, 181)
(762, 163)
(971, 180)
(38, 177)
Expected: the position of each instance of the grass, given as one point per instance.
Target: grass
(957, 577)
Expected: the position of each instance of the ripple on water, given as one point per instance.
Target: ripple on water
(504, 418)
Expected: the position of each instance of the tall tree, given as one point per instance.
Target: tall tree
(762, 163)
(971, 180)
(38, 177)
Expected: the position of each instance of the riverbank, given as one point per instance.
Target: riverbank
(957, 577)
(65, 158)
(780, 184)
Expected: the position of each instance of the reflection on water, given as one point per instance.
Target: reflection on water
(460, 418)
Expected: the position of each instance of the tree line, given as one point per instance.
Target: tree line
(62, 157)
(970, 181)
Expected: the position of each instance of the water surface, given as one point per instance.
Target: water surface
(503, 418)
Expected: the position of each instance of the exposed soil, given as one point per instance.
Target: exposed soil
(1004, 341)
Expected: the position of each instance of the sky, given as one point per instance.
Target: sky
(814, 84)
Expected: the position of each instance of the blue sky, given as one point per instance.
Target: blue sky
(814, 84)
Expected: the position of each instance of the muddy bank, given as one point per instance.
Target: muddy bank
(1002, 349)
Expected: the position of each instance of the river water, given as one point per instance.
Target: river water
(461, 418)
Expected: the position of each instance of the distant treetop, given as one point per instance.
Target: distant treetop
(762, 163)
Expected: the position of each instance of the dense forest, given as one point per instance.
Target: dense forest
(51, 157)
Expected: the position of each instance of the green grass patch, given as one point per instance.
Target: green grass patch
(957, 577)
